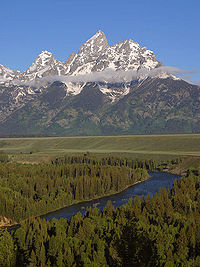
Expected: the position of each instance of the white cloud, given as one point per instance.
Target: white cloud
(110, 75)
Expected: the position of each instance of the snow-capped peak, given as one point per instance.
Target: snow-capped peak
(45, 65)
(44, 57)
(98, 37)
(7, 75)
(95, 45)
(42, 60)
(95, 55)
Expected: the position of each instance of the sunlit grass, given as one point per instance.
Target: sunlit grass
(155, 145)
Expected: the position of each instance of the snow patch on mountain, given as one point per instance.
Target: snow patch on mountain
(18, 95)
(74, 88)
(114, 93)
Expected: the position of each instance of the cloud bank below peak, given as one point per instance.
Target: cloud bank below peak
(112, 76)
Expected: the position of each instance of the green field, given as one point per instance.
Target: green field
(139, 145)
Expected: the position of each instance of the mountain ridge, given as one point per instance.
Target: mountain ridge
(152, 107)
(94, 55)
(100, 90)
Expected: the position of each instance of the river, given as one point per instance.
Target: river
(151, 187)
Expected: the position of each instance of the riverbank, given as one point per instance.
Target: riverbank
(92, 199)
(5, 223)
(150, 186)
(184, 165)
(10, 227)
(82, 202)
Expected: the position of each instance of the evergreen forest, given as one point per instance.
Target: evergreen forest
(163, 230)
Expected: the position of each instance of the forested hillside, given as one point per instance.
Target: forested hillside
(153, 106)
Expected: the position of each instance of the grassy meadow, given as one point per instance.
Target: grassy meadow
(154, 146)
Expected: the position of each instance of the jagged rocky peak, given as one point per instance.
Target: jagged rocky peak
(45, 65)
(96, 55)
(95, 45)
(84, 61)
(128, 55)
(7, 75)
(44, 59)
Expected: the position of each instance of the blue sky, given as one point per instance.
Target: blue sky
(170, 28)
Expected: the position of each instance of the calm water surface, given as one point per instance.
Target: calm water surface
(151, 187)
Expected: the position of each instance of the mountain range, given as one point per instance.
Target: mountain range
(101, 90)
